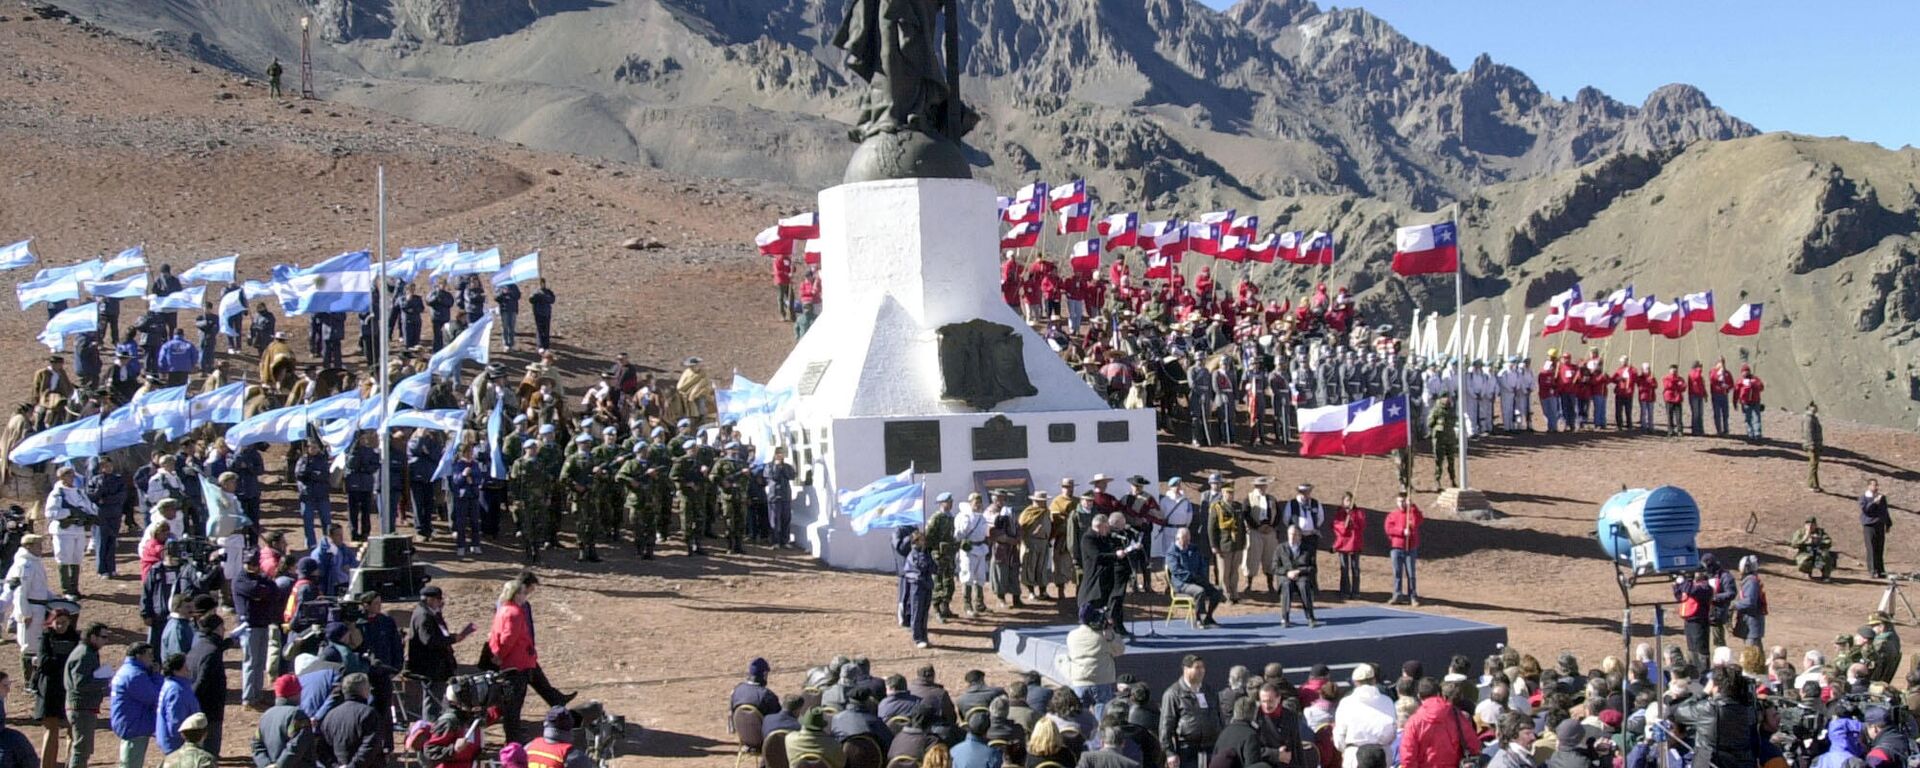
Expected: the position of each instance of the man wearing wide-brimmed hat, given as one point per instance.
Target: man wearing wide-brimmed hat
(1036, 546)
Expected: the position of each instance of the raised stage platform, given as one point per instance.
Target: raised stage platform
(1346, 636)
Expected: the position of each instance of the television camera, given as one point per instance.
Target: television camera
(603, 732)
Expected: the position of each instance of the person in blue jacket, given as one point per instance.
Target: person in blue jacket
(463, 490)
(136, 701)
(313, 476)
(423, 457)
(363, 473)
(176, 703)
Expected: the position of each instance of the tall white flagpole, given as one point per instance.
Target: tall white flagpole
(1460, 377)
(387, 521)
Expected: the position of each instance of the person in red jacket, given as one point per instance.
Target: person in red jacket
(1349, 537)
(809, 303)
(1673, 389)
(1549, 396)
(783, 284)
(1623, 380)
(1719, 386)
(1746, 392)
(1436, 735)
(1074, 290)
(1010, 280)
(1030, 292)
(1697, 400)
(510, 641)
(1403, 548)
(1569, 386)
(1645, 390)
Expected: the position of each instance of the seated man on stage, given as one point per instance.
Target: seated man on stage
(1187, 569)
(1294, 563)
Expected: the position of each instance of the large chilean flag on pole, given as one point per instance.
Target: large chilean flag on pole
(1744, 322)
(1365, 428)
(1427, 249)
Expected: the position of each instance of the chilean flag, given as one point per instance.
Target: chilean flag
(771, 243)
(1318, 250)
(1287, 247)
(1120, 229)
(1427, 249)
(1245, 226)
(805, 226)
(1203, 237)
(1263, 250)
(1022, 212)
(1559, 319)
(1166, 238)
(1232, 248)
(1071, 193)
(1618, 300)
(1566, 298)
(1086, 255)
(1669, 320)
(1023, 235)
(1159, 265)
(812, 256)
(1699, 306)
(1634, 317)
(1075, 218)
(1599, 322)
(1744, 322)
(1034, 192)
(1368, 427)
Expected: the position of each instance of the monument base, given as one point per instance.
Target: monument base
(1345, 638)
(1465, 504)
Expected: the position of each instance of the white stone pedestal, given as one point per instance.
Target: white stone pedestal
(900, 259)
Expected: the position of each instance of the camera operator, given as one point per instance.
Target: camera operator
(1887, 746)
(458, 734)
(430, 643)
(555, 747)
(1720, 721)
(69, 514)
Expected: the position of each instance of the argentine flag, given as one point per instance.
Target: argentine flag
(474, 344)
(120, 429)
(125, 288)
(56, 288)
(523, 269)
(475, 263)
(226, 405)
(411, 390)
(443, 419)
(412, 260)
(280, 425)
(17, 255)
(81, 319)
(340, 406)
(131, 258)
(86, 270)
(185, 299)
(72, 440)
(218, 270)
(339, 284)
(889, 502)
(168, 410)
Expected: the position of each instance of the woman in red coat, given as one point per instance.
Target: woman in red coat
(1349, 537)
(510, 641)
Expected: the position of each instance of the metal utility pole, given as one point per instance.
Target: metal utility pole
(1460, 375)
(387, 521)
(306, 57)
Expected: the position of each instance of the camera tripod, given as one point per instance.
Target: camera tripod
(1893, 593)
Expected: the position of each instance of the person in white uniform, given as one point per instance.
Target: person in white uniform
(970, 530)
(225, 523)
(27, 580)
(69, 516)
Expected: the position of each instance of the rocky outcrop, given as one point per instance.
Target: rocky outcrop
(1594, 191)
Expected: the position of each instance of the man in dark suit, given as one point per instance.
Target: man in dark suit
(1295, 566)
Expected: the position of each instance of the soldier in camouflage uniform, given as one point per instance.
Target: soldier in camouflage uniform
(608, 456)
(691, 486)
(577, 476)
(1883, 651)
(660, 510)
(552, 456)
(532, 488)
(946, 554)
(709, 456)
(730, 493)
(636, 479)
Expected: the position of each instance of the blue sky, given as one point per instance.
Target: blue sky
(1837, 68)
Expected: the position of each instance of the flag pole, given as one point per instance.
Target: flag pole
(386, 340)
(1460, 376)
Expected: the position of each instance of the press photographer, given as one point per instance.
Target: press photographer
(458, 736)
(69, 514)
(1720, 722)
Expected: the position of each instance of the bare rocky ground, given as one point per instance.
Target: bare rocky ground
(112, 143)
